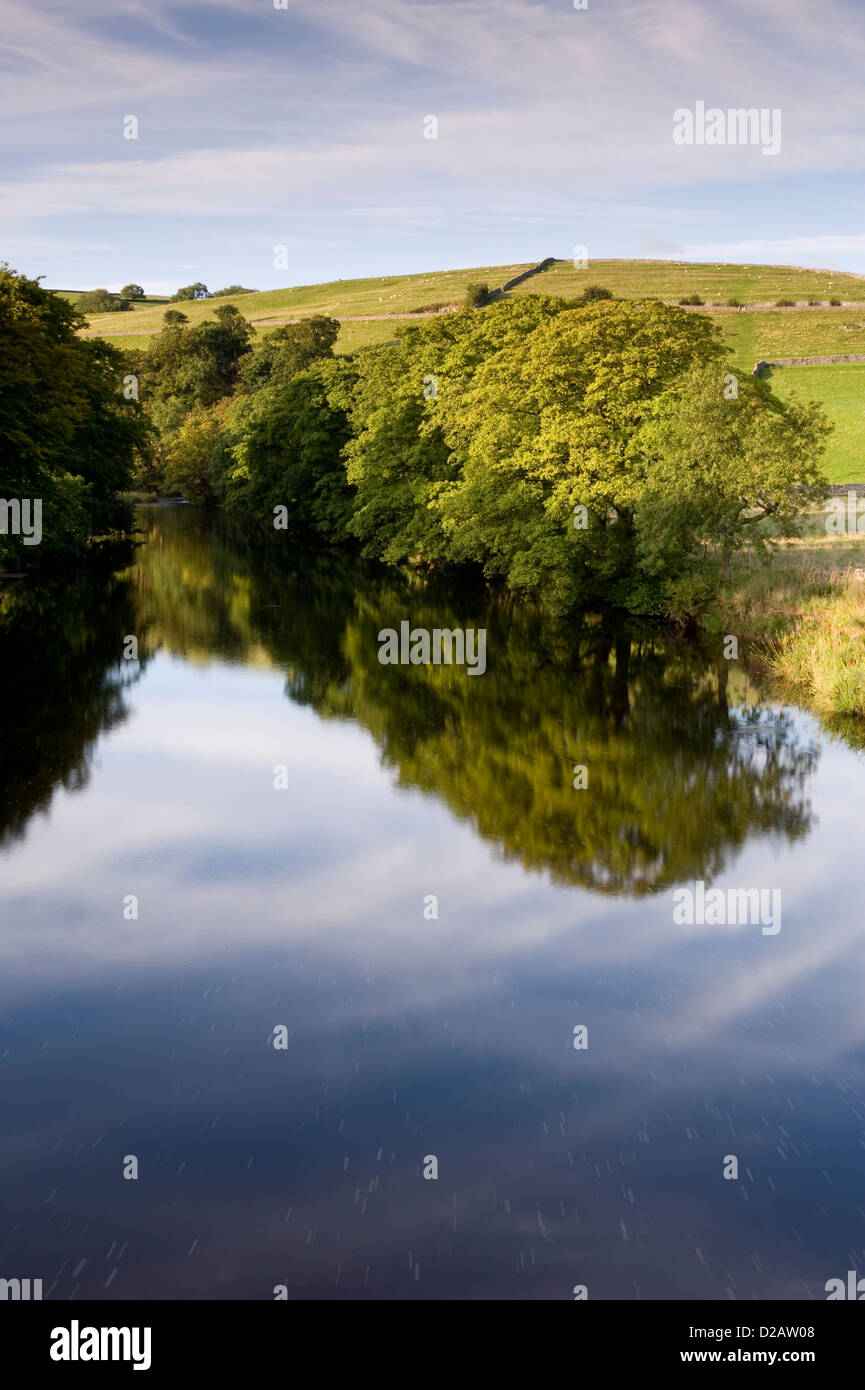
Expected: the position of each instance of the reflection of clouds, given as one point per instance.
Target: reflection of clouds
(183, 813)
(382, 1100)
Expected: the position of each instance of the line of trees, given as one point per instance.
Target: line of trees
(582, 453)
(69, 437)
(103, 301)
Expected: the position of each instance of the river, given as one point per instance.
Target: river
(320, 977)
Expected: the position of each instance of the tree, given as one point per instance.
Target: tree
(68, 436)
(593, 294)
(289, 349)
(475, 294)
(173, 318)
(196, 366)
(101, 301)
(398, 457)
(132, 292)
(196, 291)
(551, 423)
(232, 289)
(286, 445)
(190, 455)
(720, 468)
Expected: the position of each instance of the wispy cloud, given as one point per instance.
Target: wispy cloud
(313, 116)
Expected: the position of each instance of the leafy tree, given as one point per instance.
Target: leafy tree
(476, 293)
(102, 302)
(196, 366)
(232, 289)
(227, 340)
(551, 424)
(188, 469)
(289, 349)
(398, 458)
(574, 452)
(721, 467)
(195, 291)
(593, 294)
(286, 441)
(68, 437)
(174, 318)
(132, 292)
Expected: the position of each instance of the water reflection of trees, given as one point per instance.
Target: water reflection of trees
(679, 777)
(64, 683)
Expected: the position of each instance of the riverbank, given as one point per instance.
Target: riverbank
(802, 618)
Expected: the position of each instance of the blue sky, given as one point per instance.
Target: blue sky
(304, 127)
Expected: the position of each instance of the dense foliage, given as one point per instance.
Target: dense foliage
(576, 452)
(103, 302)
(68, 435)
(197, 290)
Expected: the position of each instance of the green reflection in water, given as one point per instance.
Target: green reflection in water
(682, 771)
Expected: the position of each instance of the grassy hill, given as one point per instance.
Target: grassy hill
(151, 301)
(364, 305)
(403, 294)
(752, 284)
(391, 294)
(794, 333)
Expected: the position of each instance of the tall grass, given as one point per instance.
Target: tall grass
(803, 618)
(823, 656)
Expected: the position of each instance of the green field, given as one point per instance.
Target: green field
(841, 392)
(752, 284)
(151, 301)
(391, 294)
(793, 333)
(400, 294)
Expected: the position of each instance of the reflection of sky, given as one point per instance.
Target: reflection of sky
(408, 1037)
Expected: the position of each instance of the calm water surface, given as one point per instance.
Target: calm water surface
(409, 1036)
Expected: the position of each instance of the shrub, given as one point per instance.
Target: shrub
(102, 301)
(475, 295)
(734, 303)
(196, 291)
(836, 303)
(592, 293)
(785, 303)
(691, 299)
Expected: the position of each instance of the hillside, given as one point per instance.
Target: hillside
(370, 310)
(405, 294)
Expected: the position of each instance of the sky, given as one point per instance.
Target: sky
(306, 127)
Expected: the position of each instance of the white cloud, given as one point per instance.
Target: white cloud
(782, 249)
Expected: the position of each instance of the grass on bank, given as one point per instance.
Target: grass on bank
(803, 617)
